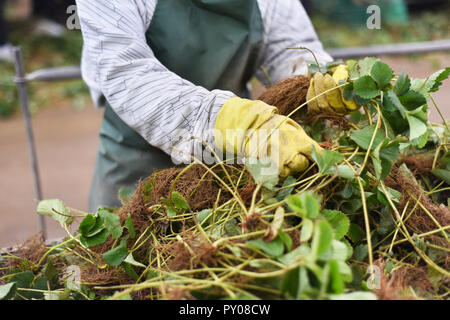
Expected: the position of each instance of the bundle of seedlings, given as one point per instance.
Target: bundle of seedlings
(368, 219)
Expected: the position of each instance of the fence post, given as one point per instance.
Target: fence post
(21, 82)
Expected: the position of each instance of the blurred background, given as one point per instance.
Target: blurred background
(66, 124)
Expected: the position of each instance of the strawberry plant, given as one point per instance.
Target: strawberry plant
(368, 219)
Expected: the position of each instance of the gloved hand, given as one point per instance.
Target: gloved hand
(243, 124)
(333, 101)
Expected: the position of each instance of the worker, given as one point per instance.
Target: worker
(173, 78)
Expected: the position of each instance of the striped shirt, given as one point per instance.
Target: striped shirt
(163, 108)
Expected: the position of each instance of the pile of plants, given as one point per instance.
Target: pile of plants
(369, 219)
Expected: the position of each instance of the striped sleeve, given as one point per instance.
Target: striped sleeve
(163, 108)
(286, 24)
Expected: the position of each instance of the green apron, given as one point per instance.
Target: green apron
(213, 44)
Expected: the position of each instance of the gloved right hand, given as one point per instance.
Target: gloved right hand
(243, 124)
(332, 101)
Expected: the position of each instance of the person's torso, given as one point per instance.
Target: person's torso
(211, 43)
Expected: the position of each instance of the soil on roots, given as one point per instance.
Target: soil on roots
(188, 253)
(33, 249)
(419, 221)
(201, 189)
(395, 286)
(198, 186)
(391, 287)
(287, 95)
(419, 165)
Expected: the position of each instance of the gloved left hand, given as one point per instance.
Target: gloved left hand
(333, 101)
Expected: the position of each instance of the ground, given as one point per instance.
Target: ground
(67, 142)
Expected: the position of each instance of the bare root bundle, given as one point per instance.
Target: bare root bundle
(33, 249)
(187, 253)
(420, 221)
(287, 95)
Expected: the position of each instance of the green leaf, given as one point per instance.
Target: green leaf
(402, 85)
(265, 171)
(129, 270)
(390, 152)
(304, 284)
(322, 238)
(179, 201)
(95, 240)
(306, 204)
(285, 190)
(412, 100)
(347, 92)
(420, 142)
(111, 223)
(8, 291)
(96, 229)
(295, 204)
(130, 227)
(355, 233)
(442, 174)
(57, 210)
(292, 257)
(366, 87)
(274, 248)
(432, 83)
(117, 255)
(307, 230)
(23, 280)
(393, 194)
(365, 66)
(287, 240)
(417, 127)
(377, 167)
(204, 216)
(361, 252)
(343, 171)
(327, 159)
(439, 77)
(336, 282)
(386, 168)
(130, 259)
(382, 74)
(87, 224)
(364, 136)
(310, 204)
(445, 160)
(50, 271)
(341, 251)
(339, 221)
(388, 104)
(289, 283)
(171, 212)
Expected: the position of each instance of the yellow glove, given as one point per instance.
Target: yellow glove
(333, 101)
(247, 128)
